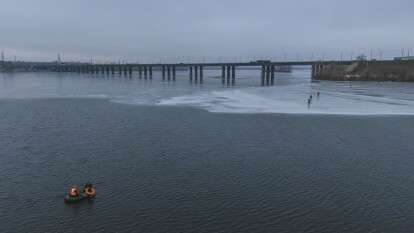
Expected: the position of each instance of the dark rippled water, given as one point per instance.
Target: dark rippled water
(178, 169)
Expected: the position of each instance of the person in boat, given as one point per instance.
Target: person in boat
(73, 192)
(89, 190)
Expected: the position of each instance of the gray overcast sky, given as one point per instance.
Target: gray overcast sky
(168, 29)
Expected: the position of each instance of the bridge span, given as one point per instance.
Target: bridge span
(195, 71)
(227, 71)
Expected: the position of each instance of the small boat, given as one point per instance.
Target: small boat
(88, 193)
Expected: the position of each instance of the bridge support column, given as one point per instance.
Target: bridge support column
(173, 73)
(145, 72)
(140, 72)
(196, 74)
(169, 73)
(272, 78)
(150, 72)
(130, 70)
(228, 75)
(191, 73)
(113, 70)
(268, 75)
(201, 74)
(163, 73)
(125, 70)
(263, 75)
(318, 71)
(223, 75)
(233, 75)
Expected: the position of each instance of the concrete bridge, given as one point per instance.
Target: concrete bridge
(328, 70)
(268, 69)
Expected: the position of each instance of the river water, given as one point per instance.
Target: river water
(184, 157)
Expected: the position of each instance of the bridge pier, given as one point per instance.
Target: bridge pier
(196, 74)
(272, 78)
(228, 74)
(163, 73)
(268, 75)
(315, 70)
(263, 75)
(173, 73)
(125, 68)
(169, 73)
(130, 70)
(150, 72)
(201, 74)
(223, 75)
(233, 75)
(145, 72)
(191, 73)
(140, 72)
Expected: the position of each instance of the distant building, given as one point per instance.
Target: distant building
(407, 58)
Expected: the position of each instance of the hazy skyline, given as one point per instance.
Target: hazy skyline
(192, 29)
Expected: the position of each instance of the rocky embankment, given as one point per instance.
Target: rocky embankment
(395, 71)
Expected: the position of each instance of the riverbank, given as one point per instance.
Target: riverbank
(394, 71)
